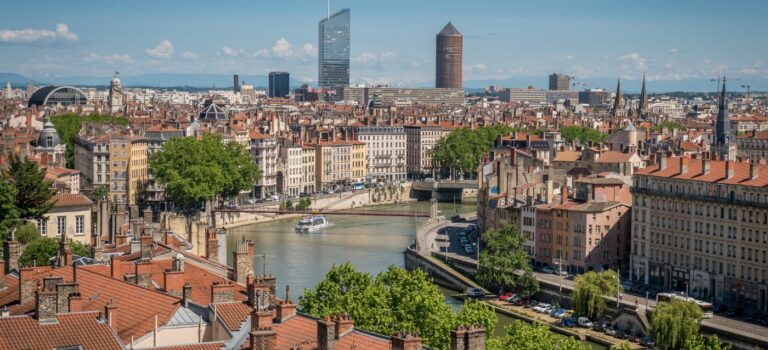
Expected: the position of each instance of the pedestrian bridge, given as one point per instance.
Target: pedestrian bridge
(444, 185)
(363, 212)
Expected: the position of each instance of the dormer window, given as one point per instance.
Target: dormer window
(49, 141)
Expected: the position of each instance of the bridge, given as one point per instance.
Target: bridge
(443, 191)
(359, 212)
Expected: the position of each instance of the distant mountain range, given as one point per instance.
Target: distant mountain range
(222, 81)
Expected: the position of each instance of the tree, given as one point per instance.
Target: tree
(710, 343)
(9, 213)
(69, 125)
(504, 262)
(475, 312)
(675, 324)
(523, 336)
(590, 291)
(40, 251)
(394, 300)
(99, 192)
(33, 192)
(288, 204)
(199, 171)
(462, 150)
(625, 345)
(26, 233)
(581, 134)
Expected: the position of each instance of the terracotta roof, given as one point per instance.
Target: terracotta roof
(85, 329)
(614, 157)
(199, 346)
(233, 314)
(567, 156)
(70, 200)
(716, 172)
(303, 329)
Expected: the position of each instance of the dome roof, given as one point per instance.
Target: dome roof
(53, 95)
(212, 112)
(49, 137)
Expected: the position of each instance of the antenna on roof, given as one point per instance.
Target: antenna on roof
(328, 10)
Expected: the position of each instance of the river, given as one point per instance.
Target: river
(371, 243)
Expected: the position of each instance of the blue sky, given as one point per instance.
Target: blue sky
(392, 40)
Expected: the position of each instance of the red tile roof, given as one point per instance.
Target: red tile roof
(84, 328)
(70, 200)
(716, 172)
(200, 346)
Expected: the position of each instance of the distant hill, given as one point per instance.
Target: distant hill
(14, 79)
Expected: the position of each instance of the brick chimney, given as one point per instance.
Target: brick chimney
(75, 302)
(173, 280)
(135, 246)
(111, 315)
(11, 255)
(662, 162)
(222, 292)
(564, 193)
(2, 274)
(468, 338)
(683, 166)
(753, 171)
(170, 239)
(45, 306)
(243, 260)
(326, 334)
(729, 169)
(405, 341)
(286, 309)
(116, 270)
(63, 291)
(212, 246)
(147, 245)
(120, 240)
(144, 274)
(186, 294)
(344, 325)
(705, 166)
(26, 285)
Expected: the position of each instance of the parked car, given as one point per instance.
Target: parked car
(610, 331)
(521, 302)
(547, 269)
(647, 341)
(475, 293)
(469, 249)
(530, 304)
(540, 307)
(585, 322)
(569, 321)
(562, 273)
(506, 296)
(464, 240)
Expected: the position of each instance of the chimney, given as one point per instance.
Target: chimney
(243, 260)
(75, 302)
(564, 193)
(111, 315)
(11, 254)
(26, 285)
(729, 169)
(144, 274)
(122, 239)
(468, 338)
(222, 293)
(705, 166)
(170, 239)
(550, 189)
(405, 341)
(212, 246)
(186, 294)
(173, 280)
(2, 274)
(753, 171)
(344, 325)
(263, 337)
(662, 162)
(147, 245)
(286, 309)
(326, 334)
(135, 246)
(148, 215)
(513, 156)
(683, 166)
(116, 267)
(46, 305)
(63, 291)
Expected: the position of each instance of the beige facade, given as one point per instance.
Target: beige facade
(70, 216)
(308, 169)
(385, 152)
(358, 161)
(290, 178)
(419, 143)
(701, 226)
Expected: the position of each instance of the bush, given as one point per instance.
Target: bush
(27, 233)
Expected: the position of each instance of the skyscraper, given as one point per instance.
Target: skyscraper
(333, 58)
(558, 81)
(448, 65)
(279, 84)
(236, 84)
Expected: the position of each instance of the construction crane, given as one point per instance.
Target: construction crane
(747, 87)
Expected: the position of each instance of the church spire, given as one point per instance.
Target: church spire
(722, 144)
(643, 104)
(618, 103)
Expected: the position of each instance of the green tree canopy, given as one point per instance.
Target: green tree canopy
(463, 149)
(195, 171)
(582, 134)
(33, 192)
(27, 233)
(706, 343)
(69, 125)
(394, 300)
(523, 336)
(40, 251)
(675, 324)
(504, 262)
(591, 289)
(9, 213)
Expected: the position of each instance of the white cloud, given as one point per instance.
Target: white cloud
(230, 52)
(569, 58)
(749, 71)
(115, 58)
(634, 61)
(673, 50)
(34, 35)
(309, 50)
(163, 50)
(282, 48)
(190, 55)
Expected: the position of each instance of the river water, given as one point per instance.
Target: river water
(371, 243)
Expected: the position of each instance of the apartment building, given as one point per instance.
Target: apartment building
(263, 149)
(701, 226)
(70, 217)
(385, 152)
(420, 139)
(333, 164)
(308, 169)
(290, 177)
(358, 161)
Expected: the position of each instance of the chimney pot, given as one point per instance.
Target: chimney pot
(326, 334)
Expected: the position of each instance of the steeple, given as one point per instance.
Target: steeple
(643, 104)
(722, 145)
(617, 110)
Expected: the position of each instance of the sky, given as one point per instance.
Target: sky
(392, 41)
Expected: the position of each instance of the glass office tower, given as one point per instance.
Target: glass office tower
(333, 58)
(279, 84)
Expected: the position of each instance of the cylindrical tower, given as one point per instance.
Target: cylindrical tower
(448, 65)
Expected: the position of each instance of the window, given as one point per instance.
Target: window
(42, 227)
(79, 224)
(61, 224)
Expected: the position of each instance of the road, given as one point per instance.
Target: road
(448, 235)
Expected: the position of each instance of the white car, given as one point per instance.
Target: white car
(585, 322)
